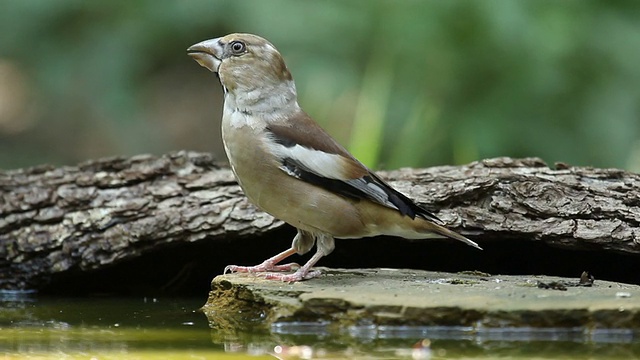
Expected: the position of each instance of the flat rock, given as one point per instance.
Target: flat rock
(399, 298)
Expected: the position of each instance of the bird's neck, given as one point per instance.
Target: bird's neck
(266, 101)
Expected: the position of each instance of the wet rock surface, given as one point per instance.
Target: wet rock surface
(468, 301)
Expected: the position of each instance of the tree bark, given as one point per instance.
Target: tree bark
(102, 212)
(105, 211)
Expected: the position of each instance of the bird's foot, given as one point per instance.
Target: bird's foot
(264, 267)
(299, 275)
(268, 267)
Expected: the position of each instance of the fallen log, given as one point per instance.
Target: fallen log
(102, 212)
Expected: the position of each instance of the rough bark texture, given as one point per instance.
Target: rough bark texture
(575, 207)
(105, 211)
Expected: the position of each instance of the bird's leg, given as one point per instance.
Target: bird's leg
(302, 243)
(268, 265)
(303, 273)
(325, 247)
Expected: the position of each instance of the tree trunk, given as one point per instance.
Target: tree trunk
(102, 212)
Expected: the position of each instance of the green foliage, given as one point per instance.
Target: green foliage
(401, 83)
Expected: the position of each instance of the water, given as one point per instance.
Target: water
(151, 328)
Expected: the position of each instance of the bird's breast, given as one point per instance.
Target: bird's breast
(287, 198)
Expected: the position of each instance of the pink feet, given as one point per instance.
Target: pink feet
(265, 269)
(302, 273)
(296, 276)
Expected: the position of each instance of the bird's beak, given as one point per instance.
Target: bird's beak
(207, 53)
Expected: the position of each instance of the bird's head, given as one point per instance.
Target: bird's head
(244, 62)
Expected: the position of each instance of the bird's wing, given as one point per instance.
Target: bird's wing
(308, 153)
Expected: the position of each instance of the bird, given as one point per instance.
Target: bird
(291, 168)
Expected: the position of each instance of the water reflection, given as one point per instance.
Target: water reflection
(76, 328)
(107, 328)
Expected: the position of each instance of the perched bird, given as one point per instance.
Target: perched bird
(291, 168)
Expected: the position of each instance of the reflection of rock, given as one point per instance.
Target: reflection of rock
(387, 298)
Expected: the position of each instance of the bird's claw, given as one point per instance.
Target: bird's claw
(296, 276)
(262, 268)
(267, 271)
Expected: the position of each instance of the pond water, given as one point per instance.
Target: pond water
(160, 328)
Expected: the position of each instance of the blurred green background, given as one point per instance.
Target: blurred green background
(400, 83)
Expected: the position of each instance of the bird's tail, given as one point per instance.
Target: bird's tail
(441, 230)
(395, 224)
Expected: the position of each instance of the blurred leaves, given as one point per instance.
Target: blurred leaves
(401, 83)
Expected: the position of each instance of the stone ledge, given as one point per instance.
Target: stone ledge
(398, 297)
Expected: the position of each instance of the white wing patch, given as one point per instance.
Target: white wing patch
(330, 166)
(332, 172)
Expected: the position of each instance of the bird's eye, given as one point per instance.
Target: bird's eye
(238, 47)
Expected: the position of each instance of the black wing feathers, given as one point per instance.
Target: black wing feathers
(297, 170)
(369, 187)
(364, 186)
(405, 205)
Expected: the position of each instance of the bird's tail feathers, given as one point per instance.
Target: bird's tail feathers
(428, 226)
